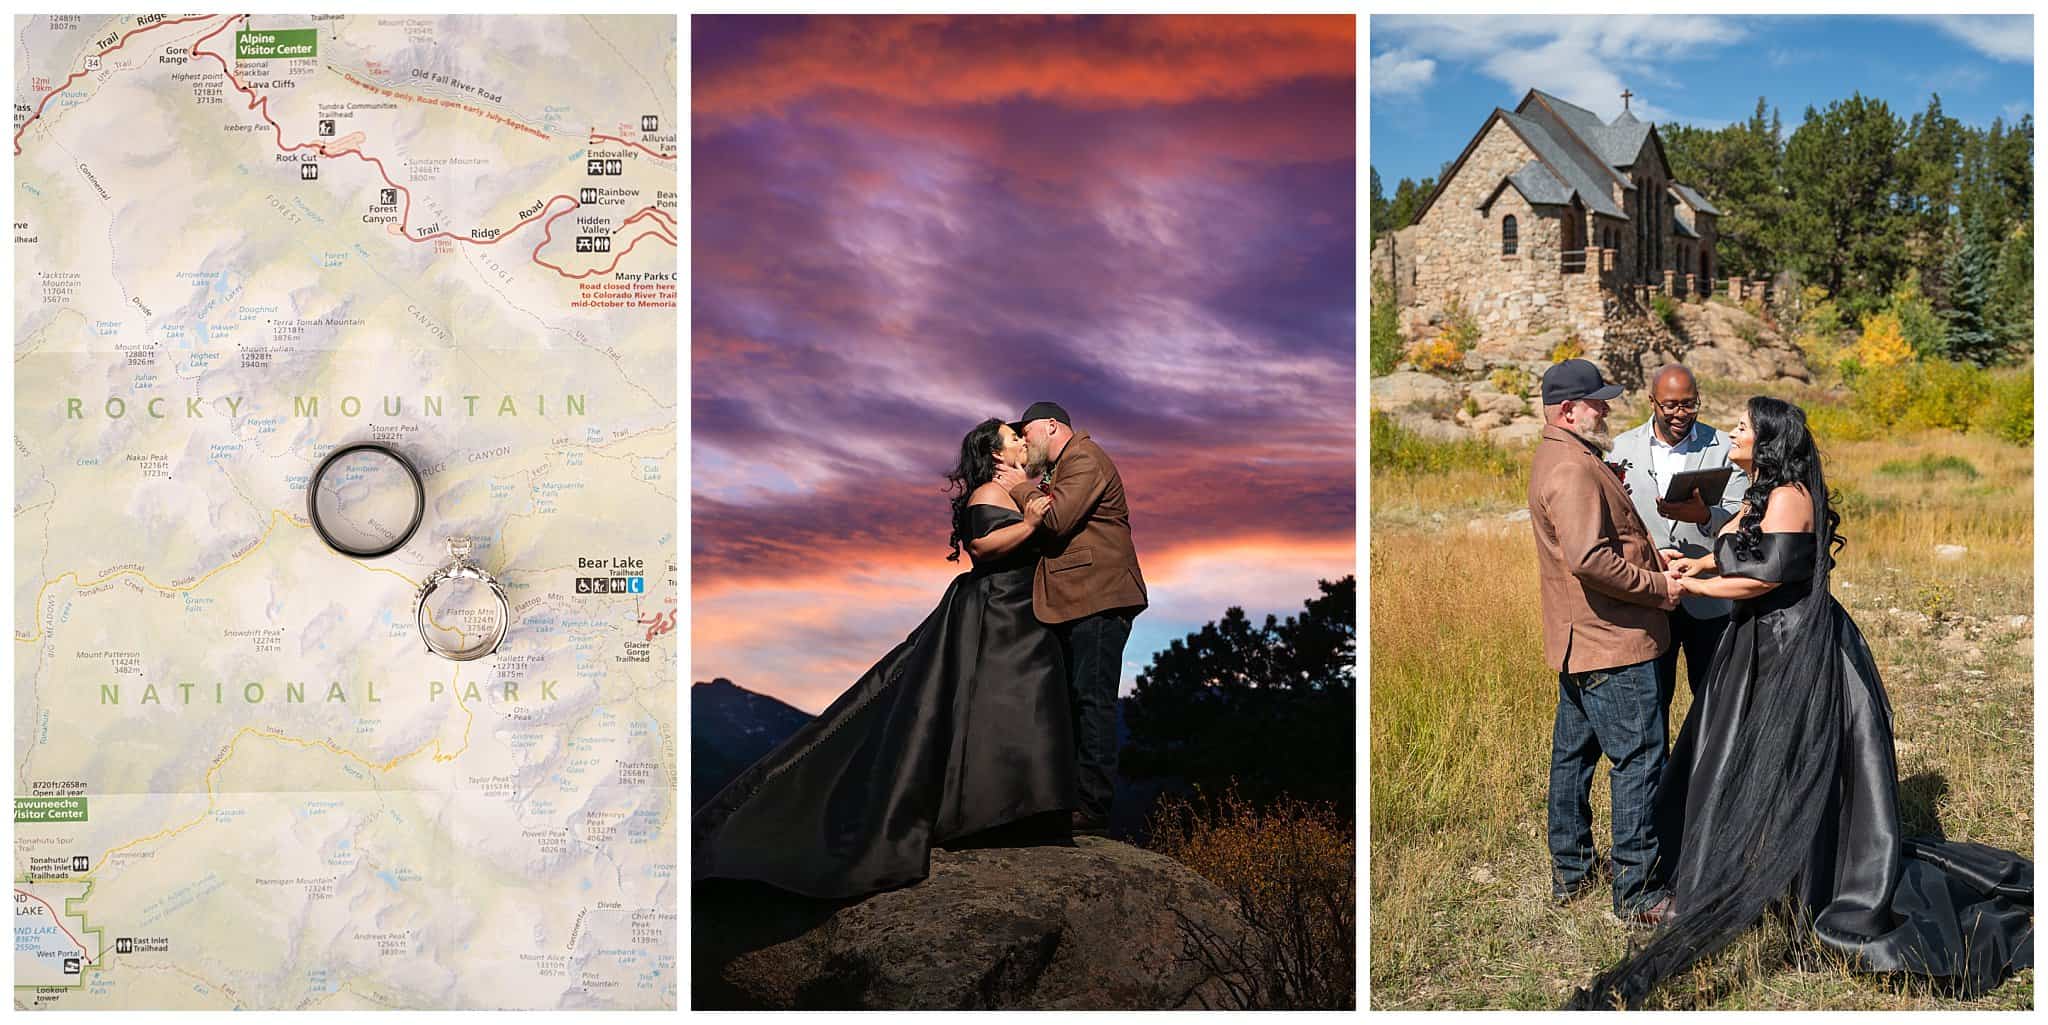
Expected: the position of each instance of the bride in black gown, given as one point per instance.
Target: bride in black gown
(961, 728)
(1782, 790)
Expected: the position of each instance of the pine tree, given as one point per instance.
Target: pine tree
(1842, 173)
(1738, 169)
(1970, 333)
(1931, 163)
(1217, 705)
(2012, 293)
(1408, 198)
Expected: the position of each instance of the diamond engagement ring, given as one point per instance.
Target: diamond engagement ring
(460, 568)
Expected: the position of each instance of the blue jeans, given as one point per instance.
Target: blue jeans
(1617, 712)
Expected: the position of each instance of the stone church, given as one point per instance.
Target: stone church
(1553, 223)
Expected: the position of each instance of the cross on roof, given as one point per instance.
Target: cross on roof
(1625, 94)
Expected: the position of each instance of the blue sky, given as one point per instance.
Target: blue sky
(1434, 79)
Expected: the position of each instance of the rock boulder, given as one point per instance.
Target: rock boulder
(1098, 925)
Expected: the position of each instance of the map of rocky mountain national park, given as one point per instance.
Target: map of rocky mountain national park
(242, 242)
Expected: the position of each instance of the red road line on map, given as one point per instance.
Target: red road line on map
(651, 211)
(76, 75)
(57, 917)
(261, 105)
(548, 233)
(594, 137)
(667, 225)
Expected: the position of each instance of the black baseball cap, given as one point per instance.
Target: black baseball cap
(1576, 379)
(1048, 410)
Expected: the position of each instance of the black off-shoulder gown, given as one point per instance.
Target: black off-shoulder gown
(1950, 910)
(961, 728)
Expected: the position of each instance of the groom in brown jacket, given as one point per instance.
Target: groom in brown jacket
(1087, 588)
(1605, 598)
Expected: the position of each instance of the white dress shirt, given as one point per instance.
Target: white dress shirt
(1667, 461)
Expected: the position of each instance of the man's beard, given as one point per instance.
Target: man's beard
(1602, 439)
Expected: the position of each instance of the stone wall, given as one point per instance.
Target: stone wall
(1452, 255)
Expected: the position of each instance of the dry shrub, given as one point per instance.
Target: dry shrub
(1438, 355)
(1291, 869)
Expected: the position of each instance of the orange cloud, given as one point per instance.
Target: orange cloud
(1091, 62)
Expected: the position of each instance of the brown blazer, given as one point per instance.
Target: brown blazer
(1596, 566)
(1088, 564)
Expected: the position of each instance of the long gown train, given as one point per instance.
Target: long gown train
(961, 728)
(1783, 789)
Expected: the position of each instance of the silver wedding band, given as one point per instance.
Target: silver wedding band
(459, 567)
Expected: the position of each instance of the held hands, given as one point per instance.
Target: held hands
(1674, 590)
(1684, 576)
(1680, 566)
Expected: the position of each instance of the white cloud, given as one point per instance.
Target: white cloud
(1588, 60)
(1961, 78)
(2005, 37)
(1400, 73)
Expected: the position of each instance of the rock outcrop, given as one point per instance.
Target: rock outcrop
(1720, 341)
(1098, 925)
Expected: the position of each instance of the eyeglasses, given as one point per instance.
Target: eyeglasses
(1679, 406)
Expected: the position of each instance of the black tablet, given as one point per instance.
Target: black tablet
(1709, 483)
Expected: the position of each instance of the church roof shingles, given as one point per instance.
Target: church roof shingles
(1583, 163)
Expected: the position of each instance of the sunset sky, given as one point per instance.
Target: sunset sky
(903, 225)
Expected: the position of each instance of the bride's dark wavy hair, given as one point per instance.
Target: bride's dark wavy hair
(977, 466)
(1771, 794)
(1785, 453)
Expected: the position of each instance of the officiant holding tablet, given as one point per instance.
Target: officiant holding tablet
(1685, 489)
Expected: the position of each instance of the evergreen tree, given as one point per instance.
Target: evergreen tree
(1842, 177)
(1271, 707)
(1738, 169)
(2012, 293)
(1408, 198)
(1970, 333)
(1931, 165)
(2013, 169)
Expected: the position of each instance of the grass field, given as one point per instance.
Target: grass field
(1461, 707)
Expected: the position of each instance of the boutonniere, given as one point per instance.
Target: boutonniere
(1621, 473)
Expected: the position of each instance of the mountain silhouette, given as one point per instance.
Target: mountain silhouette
(731, 727)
